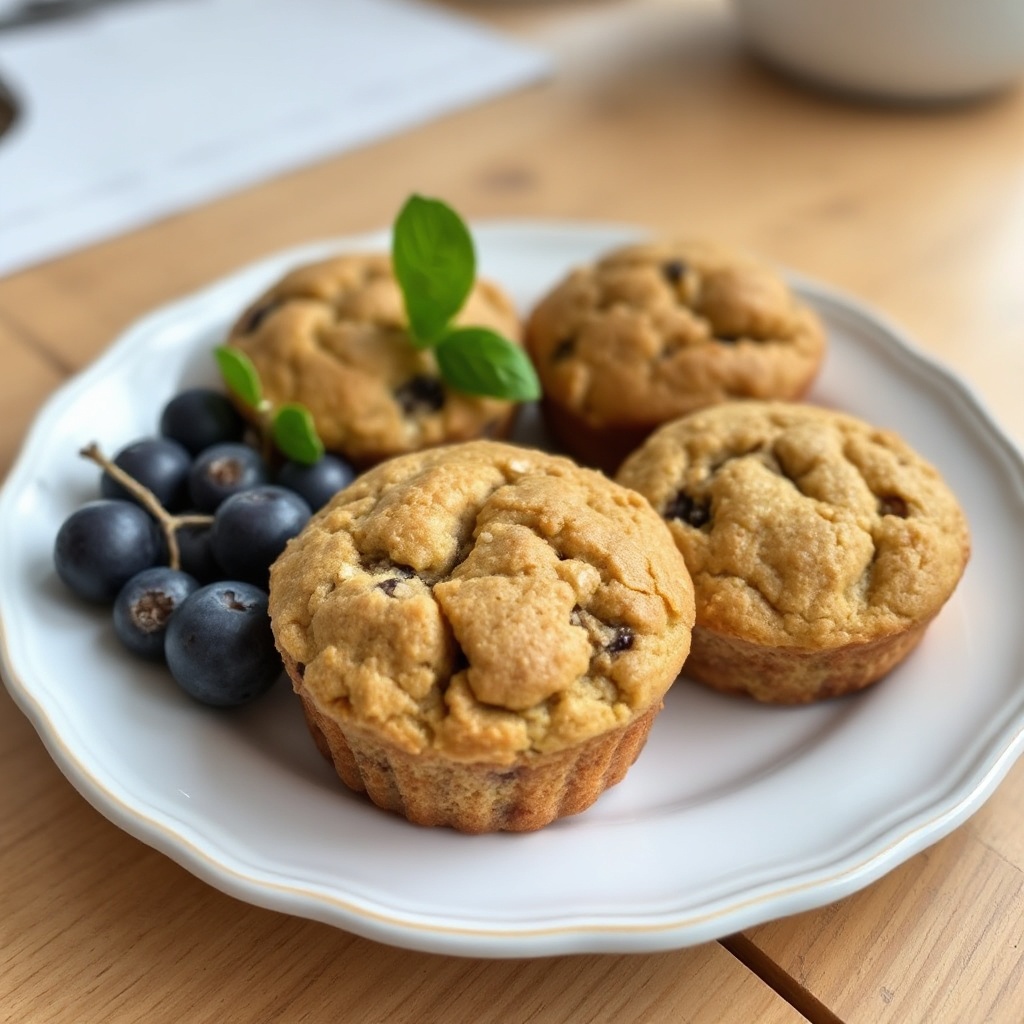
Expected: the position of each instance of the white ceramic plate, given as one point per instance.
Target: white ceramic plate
(734, 814)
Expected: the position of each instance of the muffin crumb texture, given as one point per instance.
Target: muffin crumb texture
(482, 604)
(815, 541)
(332, 335)
(652, 332)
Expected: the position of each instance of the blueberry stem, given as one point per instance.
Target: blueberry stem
(169, 524)
(265, 416)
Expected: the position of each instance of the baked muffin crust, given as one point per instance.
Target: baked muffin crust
(483, 603)
(652, 332)
(332, 335)
(806, 531)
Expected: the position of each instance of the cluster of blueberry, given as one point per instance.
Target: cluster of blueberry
(181, 541)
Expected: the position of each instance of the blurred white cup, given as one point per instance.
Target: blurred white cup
(918, 50)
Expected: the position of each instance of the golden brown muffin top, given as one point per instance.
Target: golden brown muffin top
(802, 527)
(332, 335)
(651, 332)
(484, 601)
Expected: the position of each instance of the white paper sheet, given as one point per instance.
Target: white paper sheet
(143, 108)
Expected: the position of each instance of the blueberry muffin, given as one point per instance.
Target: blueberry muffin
(332, 335)
(652, 332)
(481, 635)
(820, 547)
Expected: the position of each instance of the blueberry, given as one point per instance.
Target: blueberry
(251, 529)
(219, 646)
(688, 510)
(145, 605)
(254, 319)
(563, 350)
(420, 395)
(103, 545)
(893, 505)
(674, 271)
(158, 463)
(319, 482)
(200, 418)
(196, 554)
(224, 470)
(621, 641)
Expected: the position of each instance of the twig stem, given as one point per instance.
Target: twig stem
(168, 522)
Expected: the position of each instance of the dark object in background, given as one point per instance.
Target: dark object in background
(8, 108)
(38, 12)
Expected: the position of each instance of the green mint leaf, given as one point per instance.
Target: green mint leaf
(239, 375)
(435, 264)
(295, 435)
(479, 361)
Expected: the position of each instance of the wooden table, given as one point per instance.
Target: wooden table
(655, 116)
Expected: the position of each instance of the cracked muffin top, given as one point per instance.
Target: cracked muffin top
(332, 335)
(803, 527)
(484, 602)
(651, 332)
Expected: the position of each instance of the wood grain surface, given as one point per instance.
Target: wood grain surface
(655, 116)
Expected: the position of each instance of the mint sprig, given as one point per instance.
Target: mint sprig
(240, 376)
(288, 427)
(435, 264)
(480, 361)
(295, 433)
